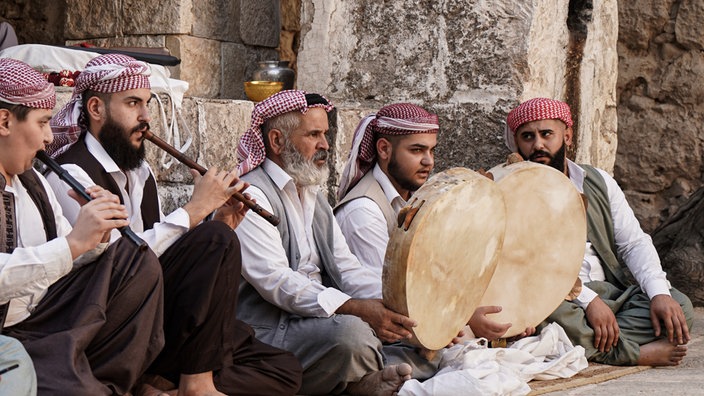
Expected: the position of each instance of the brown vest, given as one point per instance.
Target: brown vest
(78, 154)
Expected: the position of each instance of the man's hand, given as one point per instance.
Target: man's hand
(95, 220)
(664, 308)
(603, 321)
(233, 212)
(388, 325)
(210, 192)
(484, 327)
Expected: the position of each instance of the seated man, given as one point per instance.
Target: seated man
(206, 347)
(17, 376)
(616, 321)
(305, 292)
(89, 315)
(397, 145)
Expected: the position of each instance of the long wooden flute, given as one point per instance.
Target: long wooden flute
(159, 142)
(80, 190)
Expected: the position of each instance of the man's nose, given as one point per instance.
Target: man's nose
(428, 159)
(323, 144)
(144, 115)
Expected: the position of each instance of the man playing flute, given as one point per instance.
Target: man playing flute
(99, 139)
(89, 315)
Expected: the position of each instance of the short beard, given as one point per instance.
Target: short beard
(404, 182)
(557, 161)
(304, 172)
(118, 146)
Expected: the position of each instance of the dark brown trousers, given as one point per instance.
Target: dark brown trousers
(201, 279)
(99, 327)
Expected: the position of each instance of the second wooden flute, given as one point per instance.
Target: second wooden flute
(159, 142)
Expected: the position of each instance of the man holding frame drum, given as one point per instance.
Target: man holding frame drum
(392, 155)
(616, 320)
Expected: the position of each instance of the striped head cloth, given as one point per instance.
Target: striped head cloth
(534, 110)
(395, 119)
(250, 150)
(110, 73)
(20, 84)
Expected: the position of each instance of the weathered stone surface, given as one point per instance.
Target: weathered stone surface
(660, 156)
(260, 22)
(107, 18)
(233, 71)
(200, 64)
(596, 113)
(471, 76)
(680, 244)
(217, 19)
(157, 17)
(147, 41)
(221, 123)
(688, 25)
(36, 21)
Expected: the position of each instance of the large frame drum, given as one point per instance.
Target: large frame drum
(443, 253)
(546, 234)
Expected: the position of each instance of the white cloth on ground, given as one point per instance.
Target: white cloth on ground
(472, 368)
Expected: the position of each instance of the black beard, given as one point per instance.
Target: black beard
(118, 146)
(403, 181)
(557, 161)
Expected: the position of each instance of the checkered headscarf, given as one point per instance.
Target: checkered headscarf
(534, 110)
(22, 85)
(395, 119)
(108, 73)
(250, 150)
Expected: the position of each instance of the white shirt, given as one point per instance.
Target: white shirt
(27, 272)
(364, 226)
(265, 264)
(633, 246)
(160, 236)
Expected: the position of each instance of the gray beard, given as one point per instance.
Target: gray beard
(304, 172)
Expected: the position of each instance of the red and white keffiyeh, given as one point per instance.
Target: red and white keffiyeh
(250, 150)
(20, 84)
(395, 119)
(108, 73)
(534, 110)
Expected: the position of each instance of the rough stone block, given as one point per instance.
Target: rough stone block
(260, 22)
(105, 18)
(221, 123)
(688, 25)
(217, 19)
(233, 71)
(200, 64)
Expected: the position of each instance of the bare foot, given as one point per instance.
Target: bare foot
(200, 384)
(384, 382)
(661, 353)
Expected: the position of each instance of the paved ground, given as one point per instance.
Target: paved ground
(686, 379)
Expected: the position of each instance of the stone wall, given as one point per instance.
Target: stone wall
(471, 64)
(660, 157)
(218, 41)
(35, 21)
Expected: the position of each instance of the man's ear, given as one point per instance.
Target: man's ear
(4, 122)
(95, 107)
(568, 136)
(384, 149)
(276, 141)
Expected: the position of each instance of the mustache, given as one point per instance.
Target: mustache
(540, 153)
(143, 126)
(320, 155)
